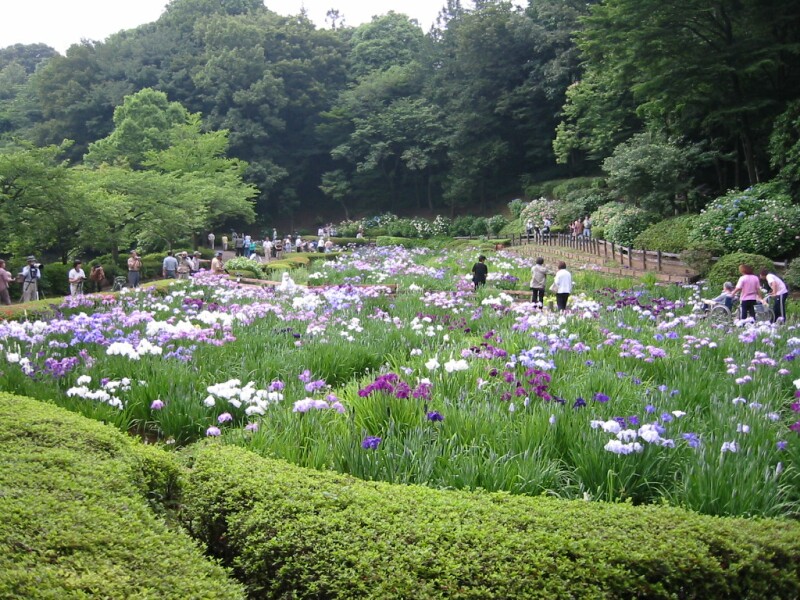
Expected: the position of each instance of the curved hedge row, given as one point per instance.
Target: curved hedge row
(75, 522)
(291, 532)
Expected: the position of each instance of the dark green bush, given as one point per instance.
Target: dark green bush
(792, 275)
(700, 255)
(670, 235)
(55, 281)
(727, 267)
(74, 523)
(291, 532)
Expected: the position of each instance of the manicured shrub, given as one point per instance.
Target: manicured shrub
(727, 267)
(669, 235)
(759, 220)
(74, 523)
(291, 532)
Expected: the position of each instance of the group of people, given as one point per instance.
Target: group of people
(581, 227)
(748, 289)
(184, 265)
(532, 228)
(561, 286)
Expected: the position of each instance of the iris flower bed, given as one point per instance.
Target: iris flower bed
(630, 396)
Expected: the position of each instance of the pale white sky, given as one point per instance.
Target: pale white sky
(61, 23)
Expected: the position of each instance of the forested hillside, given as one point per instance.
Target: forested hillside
(674, 103)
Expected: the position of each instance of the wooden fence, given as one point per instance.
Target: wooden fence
(626, 256)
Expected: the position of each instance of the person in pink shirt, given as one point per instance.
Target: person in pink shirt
(749, 287)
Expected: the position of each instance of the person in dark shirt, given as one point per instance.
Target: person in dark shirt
(479, 272)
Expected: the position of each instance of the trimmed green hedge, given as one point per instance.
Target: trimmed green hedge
(289, 532)
(727, 267)
(670, 235)
(75, 523)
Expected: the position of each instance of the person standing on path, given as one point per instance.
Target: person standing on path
(224, 243)
(211, 238)
(562, 286)
(134, 269)
(538, 281)
(97, 276)
(238, 244)
(779, 293)
(76, 278)
(31, 274)
(479, 272)
(529, 228)
(217, 267)
(5, 279)
(169, 268)
(750, 289)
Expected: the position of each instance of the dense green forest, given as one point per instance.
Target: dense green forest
(223, 112)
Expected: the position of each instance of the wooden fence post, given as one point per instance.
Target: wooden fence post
(658, 259)
(630, 257)
(644, 260)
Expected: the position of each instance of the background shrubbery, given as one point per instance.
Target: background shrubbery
(669, 235)
(759, 220)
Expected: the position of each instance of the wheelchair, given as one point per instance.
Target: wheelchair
(722, 314)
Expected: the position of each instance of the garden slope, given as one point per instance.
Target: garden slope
(293, 533)
(75, 525)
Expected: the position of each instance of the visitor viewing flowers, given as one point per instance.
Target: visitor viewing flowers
(538, 281)
(562, 286)
(479, 272)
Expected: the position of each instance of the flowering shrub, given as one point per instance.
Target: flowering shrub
(621, 223)
(758, 220)
(537, 210)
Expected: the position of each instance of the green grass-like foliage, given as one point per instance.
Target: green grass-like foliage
(76, 523)
(291, 532)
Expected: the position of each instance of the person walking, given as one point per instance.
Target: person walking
(238, 244)
(750, 292)
(562, 286)
(480, 272)
(224, 243)
(76, 278)
(529, 228)
(31, 274)
(587, 226)
(778, 291)
(97, 277)
(169, 268)
(211, 239)
(5, 279)
(538, 281)
(134, 269)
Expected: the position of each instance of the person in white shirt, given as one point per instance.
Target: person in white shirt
(779, 293)
(298, 243)
(76, 278)
(562, 286)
